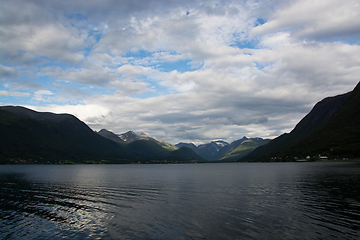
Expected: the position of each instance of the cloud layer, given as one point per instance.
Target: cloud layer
(189, 71)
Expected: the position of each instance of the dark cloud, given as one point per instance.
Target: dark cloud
(7, 72)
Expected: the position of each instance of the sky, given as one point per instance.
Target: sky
(180, 71)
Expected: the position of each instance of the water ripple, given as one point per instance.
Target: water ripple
(205, 201)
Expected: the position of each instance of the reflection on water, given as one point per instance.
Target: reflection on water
(201, 201)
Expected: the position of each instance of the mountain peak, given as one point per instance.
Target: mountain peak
(221, 143)
(110, 135)
(357, 88)
(104, 131)
(131, 132)
(145, 136)
(129, 136)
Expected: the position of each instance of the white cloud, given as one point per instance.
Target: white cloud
(130, 88)
(130, 71)
(80, 110)
(41, 95)
(90, 75)
(117, 63)
(313, 20)
(14, 94)
(52, 41)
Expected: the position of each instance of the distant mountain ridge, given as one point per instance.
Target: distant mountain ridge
(148, 148)
(223, 151)
(131, 136)
(331, 128)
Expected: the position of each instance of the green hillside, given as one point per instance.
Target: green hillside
(244, 148)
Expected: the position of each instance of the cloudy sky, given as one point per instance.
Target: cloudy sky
(191, 71)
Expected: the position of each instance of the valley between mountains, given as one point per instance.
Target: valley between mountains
(331, 130)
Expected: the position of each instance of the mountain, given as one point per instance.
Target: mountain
(130, 136)
(244, 148)
(110, 135)
(227, 149)
(188, 145)
(223, 151)
(185, 154)
(28, 136)
(210, 151)
(145, 148)
(331, 128)
(32, 136)
(162, 143)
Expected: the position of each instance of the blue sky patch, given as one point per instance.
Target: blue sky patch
(260, 21)
(180, 66)
(139, 54)
(245, 44)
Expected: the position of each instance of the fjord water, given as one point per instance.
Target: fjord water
(184, 201)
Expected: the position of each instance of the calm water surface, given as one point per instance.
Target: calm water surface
(189, 201)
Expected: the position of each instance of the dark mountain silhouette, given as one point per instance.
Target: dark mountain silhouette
(28, 136)
(185, 154)
(110, 135)
(188, 145)
(150, 150)
(144, 149)
(43, 137)
(331, 128)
